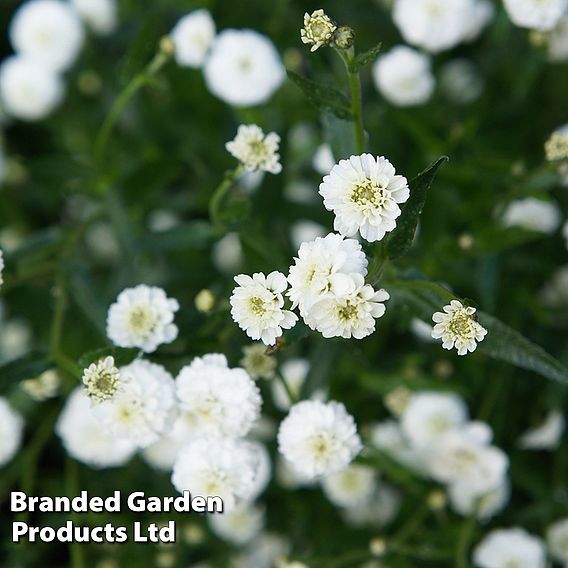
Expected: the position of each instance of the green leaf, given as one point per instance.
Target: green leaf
(400, 240)
(29, 366)
(121, 356)
(193, 235)
(338, 134)
(323, 97)
(365, 58)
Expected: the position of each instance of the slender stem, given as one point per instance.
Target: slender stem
(220, 194)
(293, 398)
(144, 77)
(411, 526)
(57, 322)
(464, 540)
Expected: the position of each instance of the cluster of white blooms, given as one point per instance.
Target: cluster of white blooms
(458, 327)
(434, 437)
(404, 76)
(47, 36)
(536, 14)
(142, 317)
(256, 150)
(84, 439)
(437, 25)
(11, 428)
(318, 438)
(533, 215)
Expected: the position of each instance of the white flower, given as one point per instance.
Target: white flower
(144, 408)
(142, 317)
(1, 267)
(11, 427)
(350, 310)
(547, 436)
(404, 76)
(323, 159)
(457, 327)
(228, 254)
(351, 487)
(318, 29)
(256, 150)
(265, 551)
(263, 468)
(318, 438)
(101, 379)
(460, 81)
(295, 372)
(257, 363)
(364, 192)
(304, 231)
(378, 511)
(434, 25)
(507, 548)
(556, 147)
(221, 400)
(536, 14)
(466, 501)
(243, 69)
(482, 14)
(83, 438)
(533, 215)
(557, 540)
(99, 15)
(44, 387)
(48, 32)
(240, 525)
(193, 36)
(421, 330)
(256, 306)
(555, 292)
(29, 90)
(430, 414)
(317, 262)
(465, 457)
(558, 41)
(223, 467)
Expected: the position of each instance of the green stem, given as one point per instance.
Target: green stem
(293, 398)
(407, 530)
(347, 56)
(464, 540)
(57, 322)
(220, 194)
(144, 77)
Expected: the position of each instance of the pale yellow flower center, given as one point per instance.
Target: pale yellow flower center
(367, 194)
(347, 312)
(257, 306)
(141, 320)
(461, 324)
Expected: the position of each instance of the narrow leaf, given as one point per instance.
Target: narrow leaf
(365, 58)
(401, 238)
(338, 134)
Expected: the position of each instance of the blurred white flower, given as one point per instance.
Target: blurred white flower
(536, 14)
(378, 511)
(457, 327)
(430, 414)
(228, 254)
(11, 428)
(48, 32)
(223, 467)
(349, 310)
(256, 150)
(318, 29)
(558, 41)
(421, 329)
(364, 192)
(556, 147)
(142, 317)
(244, 68)
(404, 76)
(221, 401)
(434, 25)
(466, 501)
(460, 81)
(533, 215)
(506, 548)
(482, 14)
(304, 231)
(193, 36)
(547, 436)
(83, 438)
(99, 15)
(15, 338)
(257, 363)
(295, 372)
(265, 551)
(351, 487)
(144, 408)
(262, 466)
(317, 262)
(1, 267)
(557, 540)
(28, 90)
(239, 525)
(323, 159)
(555, 292)
(101, 379)
(318, 438)
(257, 306)
(44, 387)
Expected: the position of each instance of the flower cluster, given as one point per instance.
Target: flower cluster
(256, 150)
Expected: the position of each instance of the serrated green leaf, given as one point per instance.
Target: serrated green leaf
(400, 240)
(27, 367)
(323, 97)
(365, 58)
(121, 356)
(338, 134)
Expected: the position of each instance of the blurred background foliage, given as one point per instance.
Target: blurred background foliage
(165, 159)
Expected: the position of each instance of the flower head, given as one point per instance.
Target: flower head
(557, 540)
(510, 548)
(556, 147)
(257, 363)
(318, 438)
(536, 14)
(457, 327)
(99, 15)
(256, 150)
(318, 29)
(533, 214)
(142, 317)
(256, 306)
(349, 310)
(351, 487)
(240, 525)
(193, 36)
(101, 379)
(364, 192)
